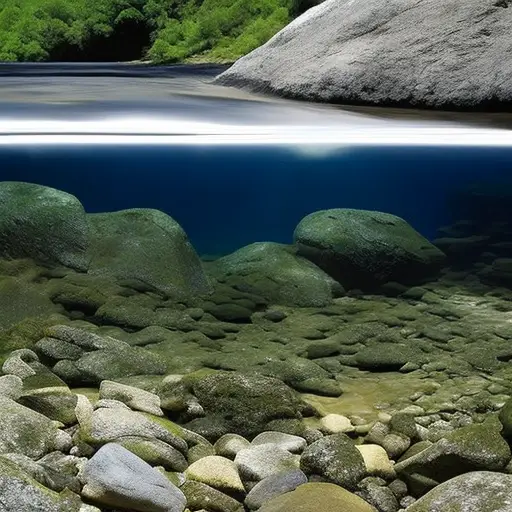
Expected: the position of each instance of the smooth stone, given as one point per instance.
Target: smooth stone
(293, 444)
(217, 472)
(258, 462)
(376, 461)
(336, 423)
(116, 477)
(273, 486)
(230, 444)
(11, 386)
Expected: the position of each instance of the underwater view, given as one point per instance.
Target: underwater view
(255, 256)
(248, 318)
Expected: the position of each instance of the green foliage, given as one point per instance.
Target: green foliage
(180, 30)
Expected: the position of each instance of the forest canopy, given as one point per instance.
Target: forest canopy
(162, 31)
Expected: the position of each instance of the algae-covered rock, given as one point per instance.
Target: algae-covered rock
(107, 425)
(28, 432)
(20, 300)
(480, 491)
(363, 249)
(275, 272)
(242, 403)
(316, 497)
(56, 403)
(135, 398)
(147, 249)
(203, 497)
(94, 367)
(335, 458)
(21, 493)
(477, 447)
(505, 417)
(42, 223)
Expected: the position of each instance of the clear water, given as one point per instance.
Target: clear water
(226, 197)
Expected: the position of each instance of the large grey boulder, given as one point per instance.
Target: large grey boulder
(363, 249)
(116, 477)
(278, 274)
(147, 249)
(42, 223)
(433, 53)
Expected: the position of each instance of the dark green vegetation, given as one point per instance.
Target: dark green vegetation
(157, 30)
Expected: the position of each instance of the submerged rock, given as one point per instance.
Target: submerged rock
(363, 249)
(148, 250)
(275, 272)
(116, 477)
(382, 52)
(44, 224)
(242, 404)
(315, 497)
(21, 493)
(479, 491)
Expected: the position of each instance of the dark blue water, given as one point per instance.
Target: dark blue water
(227, 197)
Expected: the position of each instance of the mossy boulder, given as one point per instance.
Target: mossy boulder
(336, 459)
(21, 493)
(365, 249)
(275, 272)
(94, 367)
(480, 491)
(242, 403)
(316, 497)
(44, 224)
(27, 432)
(148, 250)
(477, 447)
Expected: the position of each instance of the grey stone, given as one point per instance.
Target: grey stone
(259, 462)
(42, 223)
(116, 477)
(108, 425)
(11, 386)
(21, 493)
(148, 249)
(294, 444)
(273, 486)
(380, 52)
(472, 448)
(479, 491)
